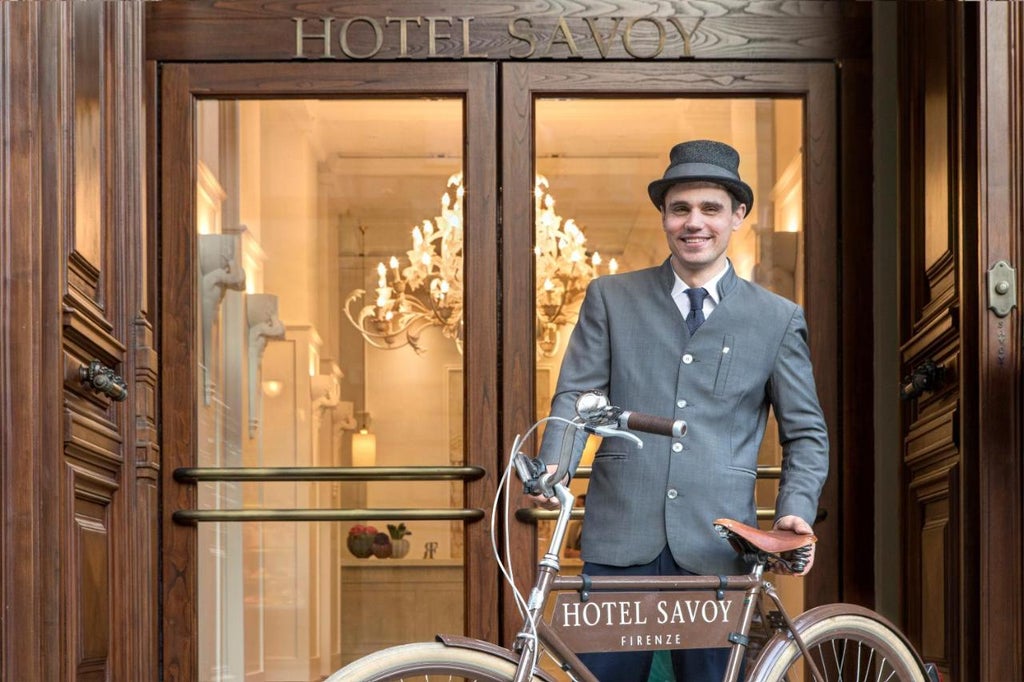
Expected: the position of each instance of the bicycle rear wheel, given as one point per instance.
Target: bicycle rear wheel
(425, 661)
(846, 643)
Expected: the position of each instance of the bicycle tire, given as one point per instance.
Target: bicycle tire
(424, 661)
(846, 642)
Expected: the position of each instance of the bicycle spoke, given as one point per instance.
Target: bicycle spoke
(840, 659)
(887, 677)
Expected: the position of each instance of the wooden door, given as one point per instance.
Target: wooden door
(80, 455)
(960, 220)
(272, 101)
(525, 86)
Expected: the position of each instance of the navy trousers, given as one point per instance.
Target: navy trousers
(688, 665)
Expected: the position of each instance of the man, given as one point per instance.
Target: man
(689, 340)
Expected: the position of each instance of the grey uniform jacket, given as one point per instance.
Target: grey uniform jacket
(751, 354)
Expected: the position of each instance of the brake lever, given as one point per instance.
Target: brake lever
(610, 431)
(530, 471)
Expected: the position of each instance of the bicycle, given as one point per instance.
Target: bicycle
(594, 613)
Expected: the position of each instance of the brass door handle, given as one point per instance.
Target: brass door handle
(103, 379)
(926, 377)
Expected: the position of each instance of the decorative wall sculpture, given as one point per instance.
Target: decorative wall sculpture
(264, 326)
(220, 269)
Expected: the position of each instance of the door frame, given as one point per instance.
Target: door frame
(179, 86)
(522, 83)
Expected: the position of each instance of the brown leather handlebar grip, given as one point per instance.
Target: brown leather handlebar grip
(649, 423)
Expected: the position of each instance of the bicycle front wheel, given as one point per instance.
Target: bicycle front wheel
(425, 661)
(845, 642)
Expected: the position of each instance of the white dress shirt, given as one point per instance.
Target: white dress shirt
(710, 301)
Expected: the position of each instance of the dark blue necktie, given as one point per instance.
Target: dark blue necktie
(696, 316)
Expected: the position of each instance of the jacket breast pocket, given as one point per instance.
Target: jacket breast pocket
(725, 356)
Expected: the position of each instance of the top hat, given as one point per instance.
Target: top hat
(703, 161)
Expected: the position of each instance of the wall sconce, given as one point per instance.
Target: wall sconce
(272, 388)
(364, 443)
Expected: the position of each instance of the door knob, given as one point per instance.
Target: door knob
(103, 379)
(926, 377)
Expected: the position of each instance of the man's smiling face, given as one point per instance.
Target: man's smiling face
(698, 220)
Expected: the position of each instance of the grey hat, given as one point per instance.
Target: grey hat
(702, 161)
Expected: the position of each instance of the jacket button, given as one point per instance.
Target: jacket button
(687, 359)
(677, 447)
(680, 403)
(672, 494)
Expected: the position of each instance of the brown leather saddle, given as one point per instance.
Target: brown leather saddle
(785, 547)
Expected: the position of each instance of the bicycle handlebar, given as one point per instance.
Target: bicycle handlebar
(595, 411)
(596, 415)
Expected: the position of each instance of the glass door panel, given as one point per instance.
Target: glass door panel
(329, 323)
(594, 159)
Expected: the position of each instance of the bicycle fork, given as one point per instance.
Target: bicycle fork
(527, 642)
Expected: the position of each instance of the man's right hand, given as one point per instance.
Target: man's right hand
(543, 501)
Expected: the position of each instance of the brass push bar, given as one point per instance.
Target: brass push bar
(320, 474)
(190, 517)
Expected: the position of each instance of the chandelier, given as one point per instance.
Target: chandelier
(428, 292)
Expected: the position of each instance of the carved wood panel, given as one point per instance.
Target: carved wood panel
(90, 578)
(962, 160)
(937, 293)
(111, 629)
(933, 541)
(110, 444)
(931, 226)
(72, 196)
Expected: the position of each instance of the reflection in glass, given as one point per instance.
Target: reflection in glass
(296, 202)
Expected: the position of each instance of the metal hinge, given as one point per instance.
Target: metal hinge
(1002, 288)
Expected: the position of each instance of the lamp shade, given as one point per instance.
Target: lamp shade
(364, 449)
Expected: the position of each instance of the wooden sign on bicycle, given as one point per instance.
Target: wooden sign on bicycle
(644, 621)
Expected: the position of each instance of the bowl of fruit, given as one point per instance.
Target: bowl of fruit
(360, 540)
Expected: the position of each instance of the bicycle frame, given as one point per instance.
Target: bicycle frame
(643, 613)
(620, 613)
